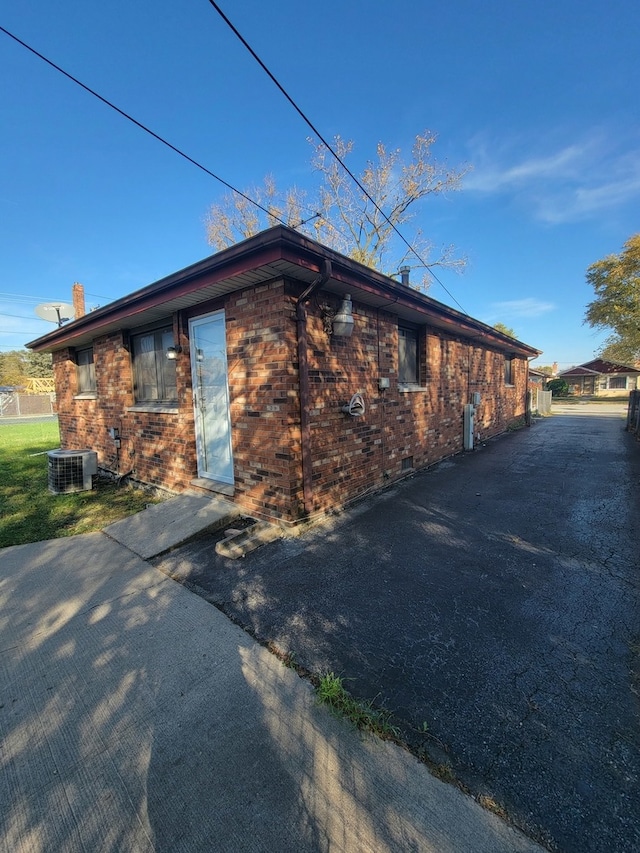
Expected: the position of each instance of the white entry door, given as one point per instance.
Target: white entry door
(211, 397)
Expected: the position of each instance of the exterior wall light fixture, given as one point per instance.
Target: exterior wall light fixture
(342, 324)
(172, 352)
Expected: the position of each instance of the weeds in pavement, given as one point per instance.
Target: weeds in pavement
(331, 691)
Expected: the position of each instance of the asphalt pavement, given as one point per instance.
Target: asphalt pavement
(136, 717)
(492, 599)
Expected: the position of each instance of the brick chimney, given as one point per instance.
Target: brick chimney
(77, 292)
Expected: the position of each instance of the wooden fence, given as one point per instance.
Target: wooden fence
(633, 415)
(40, 386)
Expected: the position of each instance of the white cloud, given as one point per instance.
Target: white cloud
(529, 307)
(574, 182)
(584, 202)
(493, 177)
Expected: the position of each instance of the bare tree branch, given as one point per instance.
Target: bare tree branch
(346, 219)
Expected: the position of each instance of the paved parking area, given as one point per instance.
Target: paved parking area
(494, 598)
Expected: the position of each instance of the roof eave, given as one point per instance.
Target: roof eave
(267, 247)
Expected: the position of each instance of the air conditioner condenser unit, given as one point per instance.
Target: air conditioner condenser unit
(71, 470)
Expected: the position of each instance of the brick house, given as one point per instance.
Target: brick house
(600, 378)
(232, 375)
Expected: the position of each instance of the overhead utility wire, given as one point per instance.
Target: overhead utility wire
(17, 316)
(140, 125)
(327, 146)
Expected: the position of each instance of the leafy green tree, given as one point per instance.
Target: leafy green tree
(558, 387)
(616, 282)
(544, 368)
(506, 330)
(39, 365)
(13, 367)
(340, 215)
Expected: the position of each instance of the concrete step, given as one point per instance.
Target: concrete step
(166, 525)
(240, 542)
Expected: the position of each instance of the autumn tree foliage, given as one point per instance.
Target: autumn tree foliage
(506, 330)
(616, 282)
(16, 366)
(340, 215)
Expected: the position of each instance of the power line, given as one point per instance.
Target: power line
(140, 125)
(207, 171)
(329, 148)
(22, 297)
(17, 316)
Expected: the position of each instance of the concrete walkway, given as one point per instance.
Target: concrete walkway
(134, 716)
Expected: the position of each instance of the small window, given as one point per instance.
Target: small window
(408, 364)
(508, 370)
(86, 371)
(619, 383)
(154, 375)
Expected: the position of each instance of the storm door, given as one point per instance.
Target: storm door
(211, 397)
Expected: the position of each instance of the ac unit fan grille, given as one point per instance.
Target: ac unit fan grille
(71, 471)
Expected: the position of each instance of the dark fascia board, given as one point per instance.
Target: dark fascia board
(579, 371)
(355, 276)
(239, 258)
(274, 244)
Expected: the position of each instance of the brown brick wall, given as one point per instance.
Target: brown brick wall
(263, 390)
(399, 432)
(156, 447)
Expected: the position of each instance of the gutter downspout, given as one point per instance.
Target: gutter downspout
(303, 379)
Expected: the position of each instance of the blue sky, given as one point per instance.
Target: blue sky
(541, 99)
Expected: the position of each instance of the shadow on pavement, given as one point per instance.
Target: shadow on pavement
(135, 716)
(494, 597)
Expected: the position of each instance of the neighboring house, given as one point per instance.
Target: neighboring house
(233, 375)
(600, 378)
(537, 379)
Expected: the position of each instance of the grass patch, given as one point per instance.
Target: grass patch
(331, 691)
(29, 512)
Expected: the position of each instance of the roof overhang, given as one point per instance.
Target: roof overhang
(276, 253)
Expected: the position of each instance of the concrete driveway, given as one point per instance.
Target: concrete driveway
(494, 598)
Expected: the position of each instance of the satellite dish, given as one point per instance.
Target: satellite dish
(55, 312)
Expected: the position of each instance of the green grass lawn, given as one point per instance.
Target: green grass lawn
(29, 512)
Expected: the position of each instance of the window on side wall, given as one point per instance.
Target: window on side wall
(618, 383)
(408, 356)
(85, 371)
(154, 375)
(508, 370)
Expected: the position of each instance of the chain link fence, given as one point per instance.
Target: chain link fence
(17, 405)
